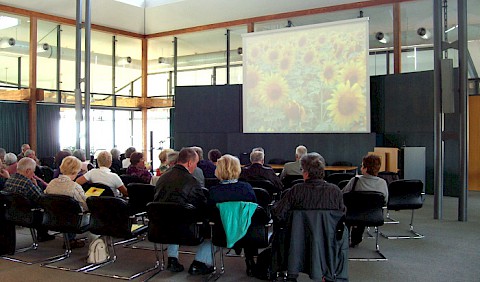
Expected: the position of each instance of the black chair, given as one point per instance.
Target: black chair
(20, 211)
(335, 178)
(388, 176)
(365, 209)
(258, 234)
(63, 214)
(110, 217)
(47, 173)
(139, 195)
(342, 183)
(405, 194)
(263, 199)
(289, 179)
(210, 182)
(265, 184)
(318, 245)
(128, 178)
(48, 161)
(106, 192)
(172, 223)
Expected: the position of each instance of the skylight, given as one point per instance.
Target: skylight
(148, 3)
(6, 22)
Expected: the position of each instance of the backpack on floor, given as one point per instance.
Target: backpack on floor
(97, 251)
(263, 267)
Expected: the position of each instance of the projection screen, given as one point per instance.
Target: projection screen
(307, 79)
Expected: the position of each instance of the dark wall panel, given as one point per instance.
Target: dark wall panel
(204, 109)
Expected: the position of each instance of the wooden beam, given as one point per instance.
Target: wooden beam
(32, 102)
(397, 39)
(62, 20)
(322, 10)
(159, 103)
(15, 95)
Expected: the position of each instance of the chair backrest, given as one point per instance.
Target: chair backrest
(364, 208)
(263, 183)
(139, 195)
(20, 210)
(318, 244)
(128, 178)
(335, 178)
(257, 234)
(107, 192)
(388, 176)
(405, 194)
(210, 182)
(289, 179)
(263, 198)
(172, 223)
(47, 173)
(63, 214)
(343, 183)
(109, 216)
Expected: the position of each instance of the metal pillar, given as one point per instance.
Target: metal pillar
(463, 108)
(59, 57)
(438, 115)
(114, 97)
(88, 31)
(228, 57)
(78, 70)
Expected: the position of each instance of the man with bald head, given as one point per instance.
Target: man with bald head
(24, 183)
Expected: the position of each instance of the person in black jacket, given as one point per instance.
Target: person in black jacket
(177, 185)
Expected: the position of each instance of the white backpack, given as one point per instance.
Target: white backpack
(97, 251)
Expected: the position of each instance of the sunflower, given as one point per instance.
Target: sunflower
(273, 90)
(329, 73)
(355, 73)
(347, 105)
(252, 76)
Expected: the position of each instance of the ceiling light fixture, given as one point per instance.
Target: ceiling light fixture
(43, 47)
(148, 3)
(163, 61)
(125, 61)
(424, 33)
(6, 22)
(452, 28)
(382, 37)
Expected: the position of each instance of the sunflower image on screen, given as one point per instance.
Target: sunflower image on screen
(307, 79)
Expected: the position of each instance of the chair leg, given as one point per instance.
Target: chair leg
(416, 235)
(65, 255)
(390, 220)
(33, 246)
(380, 257)
(216, 274)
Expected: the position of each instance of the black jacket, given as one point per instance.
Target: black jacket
(177, 185)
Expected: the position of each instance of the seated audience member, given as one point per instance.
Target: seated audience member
(24, 183)
(38, 171)
(58, 161)
(64, 185)
(2, 155)
(11, 163)
(128, 153)
(230, 189)
(313, 193)
(138, 169)
(163, 161)
(86, 165)
(198, 173)
(261, 150)
(207, 167)
(104, 176)
(172, 158)
(214, 155)
(367, 182)
(4, 175)
(294, 168)
(177, 185)
(257, 171)
(24, 148)
(116, 162)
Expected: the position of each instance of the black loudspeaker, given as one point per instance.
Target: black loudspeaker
(448, 93)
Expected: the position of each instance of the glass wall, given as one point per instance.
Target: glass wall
(14, 51)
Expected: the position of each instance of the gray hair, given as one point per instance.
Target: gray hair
(10, 158)
(312, 164)
(300, 151)
(26, 163)
(80, 154)
(115, 153)
(172, 157)
(199, 152)
(256, 156)
(28, 153)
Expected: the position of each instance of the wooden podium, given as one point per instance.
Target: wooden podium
(389, 158)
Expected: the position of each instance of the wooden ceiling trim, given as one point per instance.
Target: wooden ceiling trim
(322, 10)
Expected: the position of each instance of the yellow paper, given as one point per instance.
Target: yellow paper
(94, 191)
(136, 226)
